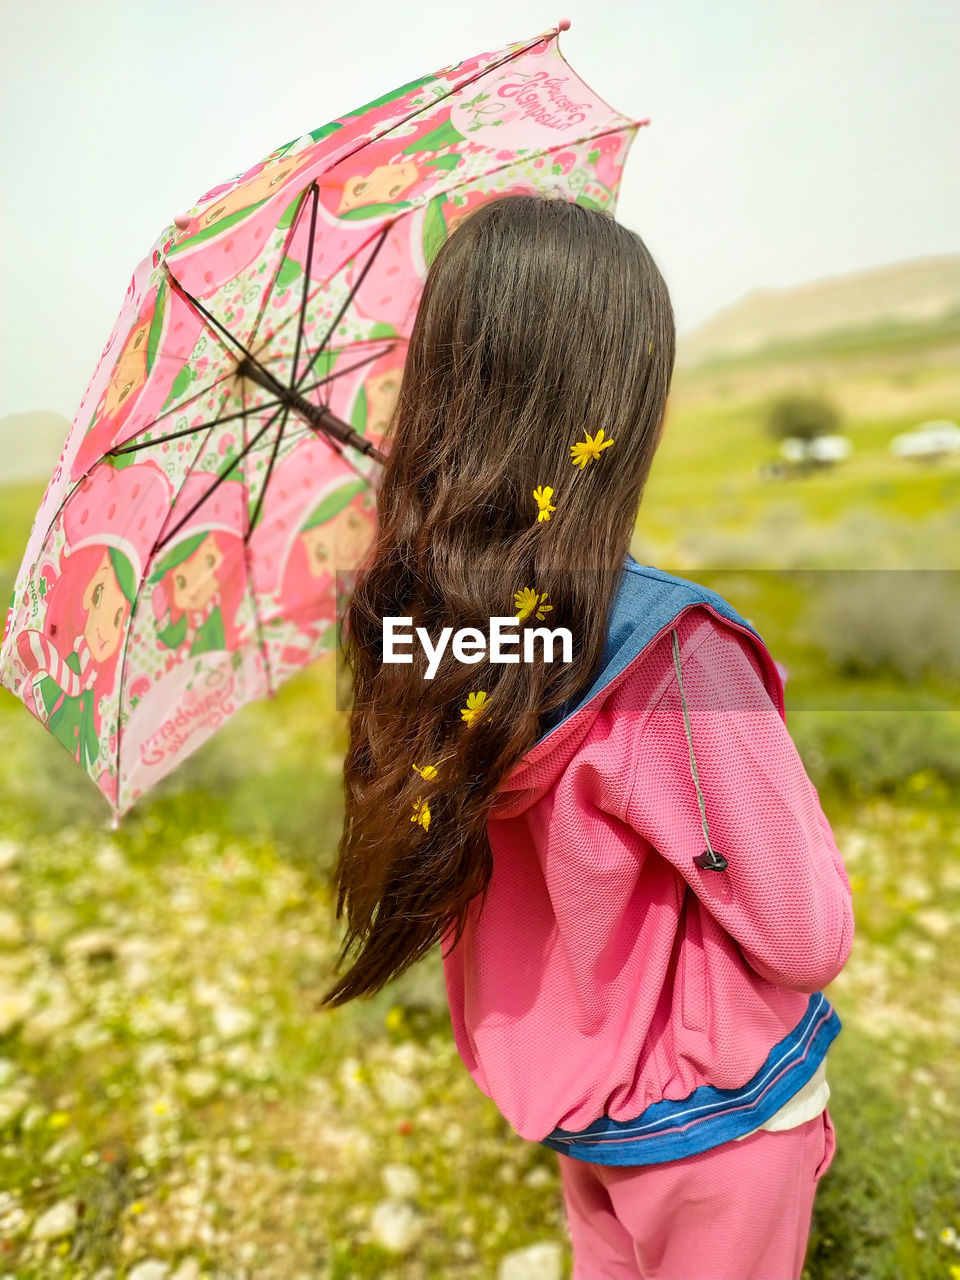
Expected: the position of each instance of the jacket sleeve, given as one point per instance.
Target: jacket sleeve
(785, 896)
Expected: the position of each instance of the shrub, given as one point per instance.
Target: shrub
(801, 416)
(900, 622)
(856, 752)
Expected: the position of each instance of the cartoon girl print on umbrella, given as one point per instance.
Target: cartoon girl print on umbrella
(130, 373)
(199, 580)
(391, 175)
(73, 660)
(253, 188)
(89, 594)
(334, 537)
(374, 396)
(317, 520)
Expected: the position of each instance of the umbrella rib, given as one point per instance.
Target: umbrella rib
(346, 303)
(248, 567)
(218, 482)
(122, 669)
(198, 306)
(341, 373)
(178, 408)
(187, 431)
(318, 416)
(126, 641)
(268, 293)
(630, 127)
(254, 363)
(273, 458)
(315, 193)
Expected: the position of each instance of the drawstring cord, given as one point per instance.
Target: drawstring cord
(710, 860)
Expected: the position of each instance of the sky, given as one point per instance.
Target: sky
(789, 139)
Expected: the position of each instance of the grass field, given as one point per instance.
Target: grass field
(171, 1095)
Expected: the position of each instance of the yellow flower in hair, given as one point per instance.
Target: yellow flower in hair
(428, 772)
(527, 601)
(581, 453)
(475, 702)
(421, 813)
(542, 495)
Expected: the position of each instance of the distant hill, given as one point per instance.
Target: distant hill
(30, 444)
(917, 291)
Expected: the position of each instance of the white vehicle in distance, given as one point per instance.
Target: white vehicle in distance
(825, 449)
(928, 440)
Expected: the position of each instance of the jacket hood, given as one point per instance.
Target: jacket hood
(646, 604)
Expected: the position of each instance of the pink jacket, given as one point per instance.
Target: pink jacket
(616, 1001)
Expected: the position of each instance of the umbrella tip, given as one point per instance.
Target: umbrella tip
(182, 220)
(563, 24)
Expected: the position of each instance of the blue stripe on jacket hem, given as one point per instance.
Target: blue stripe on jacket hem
(673, 1129)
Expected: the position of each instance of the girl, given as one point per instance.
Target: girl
(121, 394)
(638, 895)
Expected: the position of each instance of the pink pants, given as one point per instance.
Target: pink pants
(739, 1212)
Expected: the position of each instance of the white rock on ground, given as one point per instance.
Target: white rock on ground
(189, 1269)
(11, 930)
(396, 1225)
(233, 1021)
(60, 1149)
(149, 1269)
(394, 1090)
(9, 853)
(110, 860)
(536, 1262)
(59, 1220)
(935, 922)
(32, 1117)
(14, 1007)
(54, 1017)
(410, 1057)
(353, 1145)
(12, 1102)
(200, 1084)
(400, 1180)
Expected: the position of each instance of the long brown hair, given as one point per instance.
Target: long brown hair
(540, 320)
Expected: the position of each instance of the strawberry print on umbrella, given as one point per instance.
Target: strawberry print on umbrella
(217, 486)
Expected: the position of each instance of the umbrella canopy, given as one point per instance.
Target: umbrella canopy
(221, 468)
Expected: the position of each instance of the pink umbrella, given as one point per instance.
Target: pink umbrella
(216, 487)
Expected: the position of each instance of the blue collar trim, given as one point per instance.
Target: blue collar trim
(646, 601)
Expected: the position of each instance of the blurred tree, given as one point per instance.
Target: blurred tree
(803, 417)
